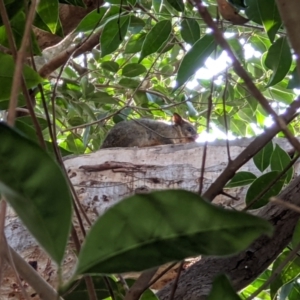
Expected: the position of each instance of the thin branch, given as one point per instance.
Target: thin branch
(45, 291)
(286, 204)
(12, 264)
(176, 281)
(17, 78)
(140, 285)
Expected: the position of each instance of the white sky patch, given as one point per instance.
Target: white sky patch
(216, 134)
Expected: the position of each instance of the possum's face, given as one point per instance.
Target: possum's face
(188, 132)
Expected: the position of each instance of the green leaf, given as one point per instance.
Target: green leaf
(86, 87)
(13, 8)
(241, 179)
(278, 59)
(295, 292)
(290, 272)
(102, 97)
(265, 13)
(135, 43)
(239, 4)
(195, 59)
(129, 83)
(35, 187)
(259, 185)
(279, 160)
(113, 34)
(177, 4)
(91, 20)
(222, 289)
(257, 283)
(190, 31)
(162, 231)
(17, 24)
(48, 12)
(133, 70)
(263, 157)
(155, 38)
(7, 72)
(136, 24)
(238, 126)
(110, 66)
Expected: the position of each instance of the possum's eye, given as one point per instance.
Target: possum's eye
(190, 129)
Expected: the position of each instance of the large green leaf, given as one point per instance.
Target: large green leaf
(222, 289)
(195, 59)
(48, 13)
(7, 72)
(113, 34)
(190, 31)
(263, 157)
(37, 190)
(259, 185)
(265, 13)
(156, 37)
(148, 230)
(279, 60)
(279, 160)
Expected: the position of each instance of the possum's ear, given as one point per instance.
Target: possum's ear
(177, 119)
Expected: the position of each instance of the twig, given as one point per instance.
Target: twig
(162, 273)
(140, 285)
(12, 264)
(17, 78)
(176, 281)
(45, 290)
(109, 288)
(285, 204)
